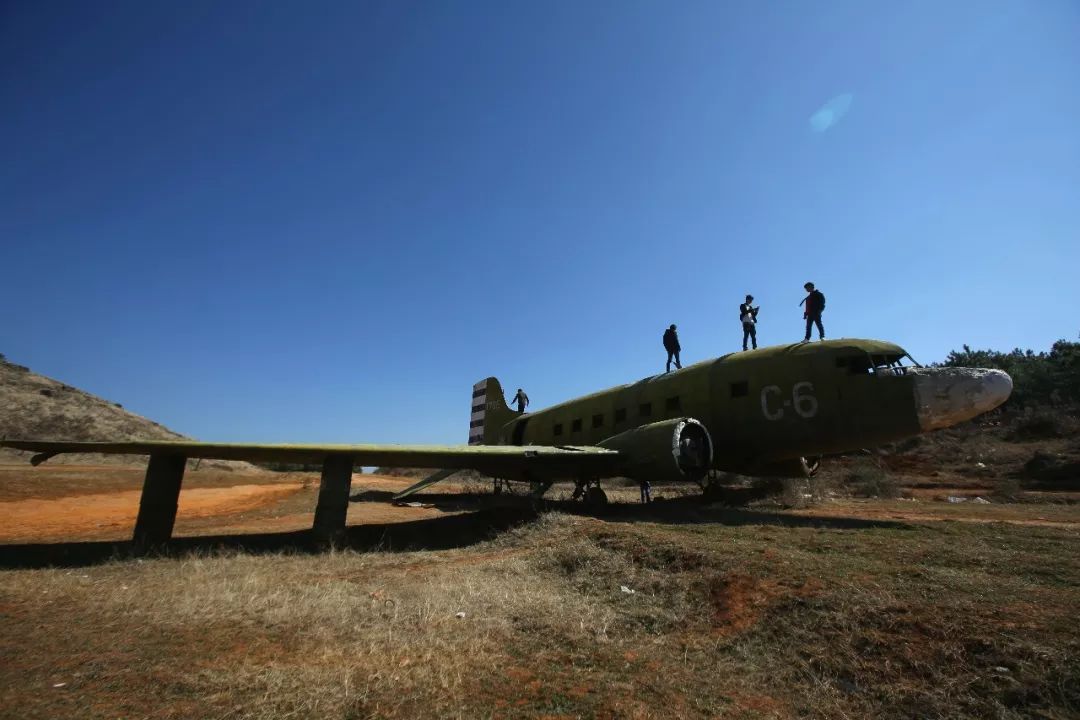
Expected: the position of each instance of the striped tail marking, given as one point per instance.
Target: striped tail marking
(476, 420)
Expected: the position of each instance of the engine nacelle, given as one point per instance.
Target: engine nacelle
(670, 450)
(800, 467)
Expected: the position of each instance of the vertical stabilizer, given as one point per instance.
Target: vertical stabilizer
(489, 412)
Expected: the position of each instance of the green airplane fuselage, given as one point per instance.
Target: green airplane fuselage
(760, 406)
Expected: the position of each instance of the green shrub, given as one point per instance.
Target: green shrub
(1008, 489)
(1038, 425)
(1049, 378)
(867, 479)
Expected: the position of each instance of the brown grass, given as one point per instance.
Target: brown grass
(747, 621)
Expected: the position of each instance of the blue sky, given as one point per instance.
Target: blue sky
(325, 221)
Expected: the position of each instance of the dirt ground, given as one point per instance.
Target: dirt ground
(50, 504)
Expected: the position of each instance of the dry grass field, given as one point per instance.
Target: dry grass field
(482, 607)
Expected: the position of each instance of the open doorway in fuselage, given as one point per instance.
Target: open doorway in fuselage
(518, 436)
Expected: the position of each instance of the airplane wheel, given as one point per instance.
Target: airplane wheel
(596, 498)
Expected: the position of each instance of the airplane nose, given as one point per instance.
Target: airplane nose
(947, 396)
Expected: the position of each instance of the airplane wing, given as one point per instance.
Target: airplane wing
(498, 460)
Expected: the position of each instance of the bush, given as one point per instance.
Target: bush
(287, 467)
(794, 492)
(1008, 489)
(1050, 378)
(1040, 462)
(1038, 425)
(867, 479)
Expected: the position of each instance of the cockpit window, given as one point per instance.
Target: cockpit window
(874, 364)
(889, 365)
(855, 364)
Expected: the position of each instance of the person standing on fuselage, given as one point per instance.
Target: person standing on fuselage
(671, 344)
(748, 317)
(815, 305)
(521, 399)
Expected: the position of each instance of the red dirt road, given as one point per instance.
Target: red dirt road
(114, 513)
(101, 503)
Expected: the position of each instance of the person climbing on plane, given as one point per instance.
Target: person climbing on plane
(815, 305)
(521, 399)
(671, 344)
(748, 317)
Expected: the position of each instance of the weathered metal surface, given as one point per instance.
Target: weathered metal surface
(764, 408)
(432, 456)
(666, 451)
(947, 396)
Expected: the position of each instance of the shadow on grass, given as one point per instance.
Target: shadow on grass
(489, 516)
(444, 533)
(692, 511)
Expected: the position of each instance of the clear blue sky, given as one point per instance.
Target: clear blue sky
(324, 221)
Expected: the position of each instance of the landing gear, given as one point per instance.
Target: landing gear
(596, 498)
(590, 491)
(712, 489)
(537, 488)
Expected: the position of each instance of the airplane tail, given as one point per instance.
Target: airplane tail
(489, 412)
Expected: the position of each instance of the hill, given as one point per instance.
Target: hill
(35, 406)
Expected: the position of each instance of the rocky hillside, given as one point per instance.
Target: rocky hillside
(38, 407)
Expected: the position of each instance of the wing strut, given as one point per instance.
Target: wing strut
(429, 480)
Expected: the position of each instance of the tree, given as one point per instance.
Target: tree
(1038, 378)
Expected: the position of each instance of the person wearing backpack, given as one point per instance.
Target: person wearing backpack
(671, 344)
(748, 317)
(815, 305)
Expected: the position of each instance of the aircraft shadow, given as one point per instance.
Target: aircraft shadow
(695, 512)
(443, 533)
(692, 509)
(491, 515)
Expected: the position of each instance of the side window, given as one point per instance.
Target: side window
(620, 415)
(855, 364)
(576, 426)
(645, 409)
(740, 389)
(672, 404)
(557, 430)
(597, 421)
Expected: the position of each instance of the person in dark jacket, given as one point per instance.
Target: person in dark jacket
(521, 399)
(815, 305)
(748, 317)
(671, 344)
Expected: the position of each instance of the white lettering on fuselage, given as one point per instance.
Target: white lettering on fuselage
(765, 403)
(802, 400)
